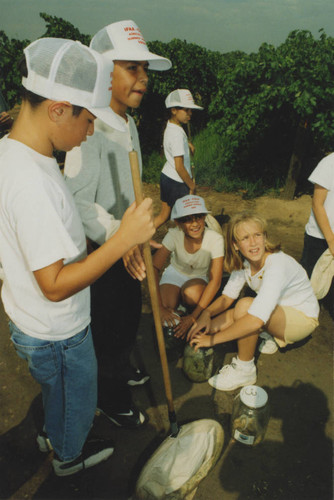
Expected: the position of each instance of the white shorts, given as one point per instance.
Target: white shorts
(171, 276)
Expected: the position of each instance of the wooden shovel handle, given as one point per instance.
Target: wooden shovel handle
(137, 186)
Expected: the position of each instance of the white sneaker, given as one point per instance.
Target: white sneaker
(231, 377)
(268, 344)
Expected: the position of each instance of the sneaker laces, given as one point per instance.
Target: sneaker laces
(232, 365)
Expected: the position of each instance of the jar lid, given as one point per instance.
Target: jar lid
(253, 396)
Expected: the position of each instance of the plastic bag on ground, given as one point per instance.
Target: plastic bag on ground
(180, 463)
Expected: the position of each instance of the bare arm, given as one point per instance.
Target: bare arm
(58, 281)
(203, 323)
(242, 327)
(159, 259)
(319, 197)
(181, 170)
(216, 273)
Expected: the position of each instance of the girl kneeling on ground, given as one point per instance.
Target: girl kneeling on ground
(195, 271)
(285, 304)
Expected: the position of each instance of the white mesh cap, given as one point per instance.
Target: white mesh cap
(64, 70)
(123, 41)
(181, 98)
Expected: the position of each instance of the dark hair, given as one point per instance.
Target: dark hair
(35, 99)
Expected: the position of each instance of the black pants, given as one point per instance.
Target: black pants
(116, 309)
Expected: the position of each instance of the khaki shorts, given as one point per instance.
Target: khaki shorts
(298, 326)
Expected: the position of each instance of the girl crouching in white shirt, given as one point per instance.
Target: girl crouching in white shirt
(285, 304)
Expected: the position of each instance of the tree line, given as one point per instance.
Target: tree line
(268, 116)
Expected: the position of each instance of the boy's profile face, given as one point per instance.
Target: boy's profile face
(129, 84)
(72, 130)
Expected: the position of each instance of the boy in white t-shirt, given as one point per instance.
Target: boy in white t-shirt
(46, 270)
(319, 230)
(99, 176)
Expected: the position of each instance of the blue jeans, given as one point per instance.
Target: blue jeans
(67, 373)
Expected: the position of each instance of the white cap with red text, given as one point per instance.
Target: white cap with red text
(188, 205)
(123, 41)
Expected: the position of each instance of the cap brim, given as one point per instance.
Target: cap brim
(108, 116)
(155, 62)
(181, 105)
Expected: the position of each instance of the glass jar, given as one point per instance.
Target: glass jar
(198, 365)
(174, 345)
(250, 415)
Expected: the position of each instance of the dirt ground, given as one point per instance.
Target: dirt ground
(294, 461)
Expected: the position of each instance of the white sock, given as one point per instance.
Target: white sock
(245, 364)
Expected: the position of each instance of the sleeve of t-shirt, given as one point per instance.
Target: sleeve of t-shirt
(39, 228)
(235, 284)
(273, 282)
(176, 143)
(323, 174)
(216, 242)
(82, 170)
(170, 238)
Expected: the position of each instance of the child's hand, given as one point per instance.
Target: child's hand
(137, 223)
(167, 315)
(201, 340)
(181, 329)
(202, 325)
(134, 263)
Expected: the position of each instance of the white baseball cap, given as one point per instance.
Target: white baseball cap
(64, 70)
(123, 41)
(181, 98)
(188, 205)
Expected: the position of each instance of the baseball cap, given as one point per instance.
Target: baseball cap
(322, 275)
(181, 98)
(65, 70)
(123, 41)
(188, 205)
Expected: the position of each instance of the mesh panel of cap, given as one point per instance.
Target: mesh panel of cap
(101, 42)
(175, 96)
(41, 57)
(78, 76)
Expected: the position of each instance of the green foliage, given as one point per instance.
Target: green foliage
(58, 27)
(194, 68)
(263, 96)
(152, 166)
(11, 52)
(253, 104)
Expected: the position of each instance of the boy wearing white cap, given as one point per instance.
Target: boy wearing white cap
(99, 176)
(46, 270)
(194, 274)
(176, 178)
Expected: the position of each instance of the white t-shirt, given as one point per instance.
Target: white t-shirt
(323, 175)
(39, 225)
(198, 263)
(175, 144)
(281, 281)
(98, 174)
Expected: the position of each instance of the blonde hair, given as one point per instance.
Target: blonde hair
(233, 258)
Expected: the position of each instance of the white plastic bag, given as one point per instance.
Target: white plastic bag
(180, 463)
